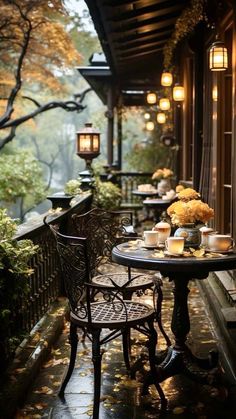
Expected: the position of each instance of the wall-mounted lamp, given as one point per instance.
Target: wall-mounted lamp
(164, 104)
(151, 98)
(166, 79)
(161, 118)
(147, 116)
(218, 57)
(178, 93)
(149, 126)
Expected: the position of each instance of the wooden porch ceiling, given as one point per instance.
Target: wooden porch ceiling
(132, 34)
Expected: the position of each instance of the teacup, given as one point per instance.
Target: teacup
(150, 237)
(164, 230)
(220, 242)
(175, 245)
(205, 231)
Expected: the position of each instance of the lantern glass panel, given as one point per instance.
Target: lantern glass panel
(218, 58)
(178, 93)
(164, 104)
(151, 98)
(161, 118)
(166, 79)
(149, 126)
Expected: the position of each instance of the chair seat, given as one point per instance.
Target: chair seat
(140, 281)
(115, 315)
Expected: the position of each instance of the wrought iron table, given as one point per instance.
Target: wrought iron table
(158, 205)
(180, 270)
(144, 195)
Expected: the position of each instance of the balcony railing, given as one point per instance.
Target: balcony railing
(45, 282)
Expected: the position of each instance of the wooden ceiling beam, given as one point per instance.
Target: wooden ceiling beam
(144, 25)
(145, 13)
(125, 45)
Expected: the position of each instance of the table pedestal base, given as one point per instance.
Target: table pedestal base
(178, 361)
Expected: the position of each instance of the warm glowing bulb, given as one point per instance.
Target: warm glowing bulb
(151, 98)
(166, 79)
(215, 94)
(149, 126)
(178, 93)
(147, 115)
(218, 58)
(161, 118)
(164, 104)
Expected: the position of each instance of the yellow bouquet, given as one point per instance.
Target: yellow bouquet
(162, 174)
(192, 211)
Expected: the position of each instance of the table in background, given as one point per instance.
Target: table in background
(158, 205)
(180, 270)
(143, 195)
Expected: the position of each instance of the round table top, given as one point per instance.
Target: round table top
(195, 267)
(157, 202)
(143, 194)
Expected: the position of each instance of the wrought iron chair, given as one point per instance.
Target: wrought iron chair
(105, 229)
(103, 320)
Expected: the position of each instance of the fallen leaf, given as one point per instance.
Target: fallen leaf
(178, 410)
(40, 406)
(44, 390)
(199, 253)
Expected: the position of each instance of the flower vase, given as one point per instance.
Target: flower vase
(191, 234)
(163, 186)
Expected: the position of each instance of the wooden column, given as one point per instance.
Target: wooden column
(110, 126)
(198, 110)
(119, 136)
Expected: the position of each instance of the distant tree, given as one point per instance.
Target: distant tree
(35, 49)
(21, 182)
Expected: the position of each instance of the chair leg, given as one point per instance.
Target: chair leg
(97, 359)
(126, 347)
(158, 304)
(152, 350)
(73, 352)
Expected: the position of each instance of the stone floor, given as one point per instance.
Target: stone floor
(120, 396)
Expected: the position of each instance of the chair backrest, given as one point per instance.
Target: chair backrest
(103, 230)
(72, 252)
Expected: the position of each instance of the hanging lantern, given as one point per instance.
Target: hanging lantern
(164, 104)
(161, 118)
(151, 98)
(166, 79)
(215, 94)
(147, 116)
(218, 57)
(178, 93)
(149, 126)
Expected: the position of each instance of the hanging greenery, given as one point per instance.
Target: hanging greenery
(185, 24)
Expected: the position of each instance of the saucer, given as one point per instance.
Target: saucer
(223, 252)
(156, 246)
(177, 255)
(149, 246)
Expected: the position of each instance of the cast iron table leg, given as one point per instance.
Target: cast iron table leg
(179, 358)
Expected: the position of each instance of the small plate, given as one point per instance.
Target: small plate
(177, 255)
(146, 246)
(224, 252)
(157, 246)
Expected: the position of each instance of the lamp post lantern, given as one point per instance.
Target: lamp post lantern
(88, 147)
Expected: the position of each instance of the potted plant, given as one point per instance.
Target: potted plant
(63, 199)
(107, 195)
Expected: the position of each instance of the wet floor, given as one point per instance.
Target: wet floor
(120, 396)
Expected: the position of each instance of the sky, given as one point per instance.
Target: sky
(81, 7)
